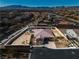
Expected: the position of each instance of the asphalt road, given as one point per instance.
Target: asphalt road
(45, 53)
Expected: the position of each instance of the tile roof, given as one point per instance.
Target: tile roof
(42, 33)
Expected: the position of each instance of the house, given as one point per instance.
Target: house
(43, 35)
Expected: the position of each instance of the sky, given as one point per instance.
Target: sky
(39, 3)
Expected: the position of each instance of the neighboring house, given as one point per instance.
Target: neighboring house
(71, 33)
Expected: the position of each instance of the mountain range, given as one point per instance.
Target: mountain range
(36, 8)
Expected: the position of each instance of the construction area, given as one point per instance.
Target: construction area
(50, 38)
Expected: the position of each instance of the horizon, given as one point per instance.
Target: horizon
(39, 3)
(40, 6)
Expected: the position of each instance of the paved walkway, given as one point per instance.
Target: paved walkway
(51, 45)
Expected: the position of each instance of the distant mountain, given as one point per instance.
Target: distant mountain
(23, 7)
(74, 6)
(33, 8)
(14, 7)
